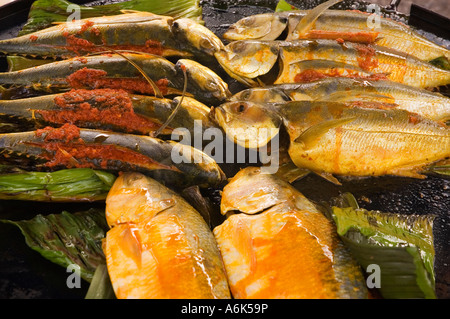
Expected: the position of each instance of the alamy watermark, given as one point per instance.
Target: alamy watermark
(374, 20)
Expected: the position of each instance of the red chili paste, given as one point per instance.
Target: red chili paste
(79, 45)
(96, 79)
(64, 147)
(367, 59)
(98, 108)
(359, 37)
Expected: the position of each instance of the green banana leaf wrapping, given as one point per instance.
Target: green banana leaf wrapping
(67, 238)
(402, 246)
(44, 13)
(101, 286)
(68, 185)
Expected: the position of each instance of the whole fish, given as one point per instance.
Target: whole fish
(115, 71)
(251, 62)
(339, 138)
(104, 109)
(277, 245)
(340, 89)
(354, 26)
(136, 31)
(68, 146)
(158, 245)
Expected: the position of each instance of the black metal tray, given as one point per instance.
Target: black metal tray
(24, 274)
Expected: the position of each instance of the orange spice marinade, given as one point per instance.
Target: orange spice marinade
(98, 108)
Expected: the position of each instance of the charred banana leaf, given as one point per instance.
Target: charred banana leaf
(67, 185)
(45, 13)
(397, 249)
(68, 238)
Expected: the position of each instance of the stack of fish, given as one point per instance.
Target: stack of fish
(109, 88)
(354, 100)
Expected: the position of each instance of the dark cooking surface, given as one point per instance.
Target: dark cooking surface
(25, 274)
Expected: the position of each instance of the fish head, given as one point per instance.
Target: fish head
(204, 82)
(196, 35)
(253, 190)
(248, 124)
(246, 60)
(266, 26)
(135, 197)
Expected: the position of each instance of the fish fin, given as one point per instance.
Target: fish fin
(290, 173)
(243, 241)
(412, 172)
(307, 22)
(131, 243)
(310, 135)
(329, 177)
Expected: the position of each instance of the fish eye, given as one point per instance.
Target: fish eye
(283, 20)
(241, 107)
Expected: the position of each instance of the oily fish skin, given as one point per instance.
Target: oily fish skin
(356, 141)
(278, 245)
(426, 103)
(340, 138)
(137, 31)
(248, 60)
(388, 33)
(158, 245)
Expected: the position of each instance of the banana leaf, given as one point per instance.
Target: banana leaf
(440, 169)
(68, 185)
(100, 287)
(44, 13)
(67, 238)
(401, 245)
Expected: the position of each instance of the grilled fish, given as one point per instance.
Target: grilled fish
(276, 244)
(342, 139)
(116, 72)
(136, 31)
(68, 146)
(158, 246)
(386, 93)
(352, 26)
(249, 60)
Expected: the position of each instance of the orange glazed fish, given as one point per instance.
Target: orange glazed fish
(158, 246)
(278, 245)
